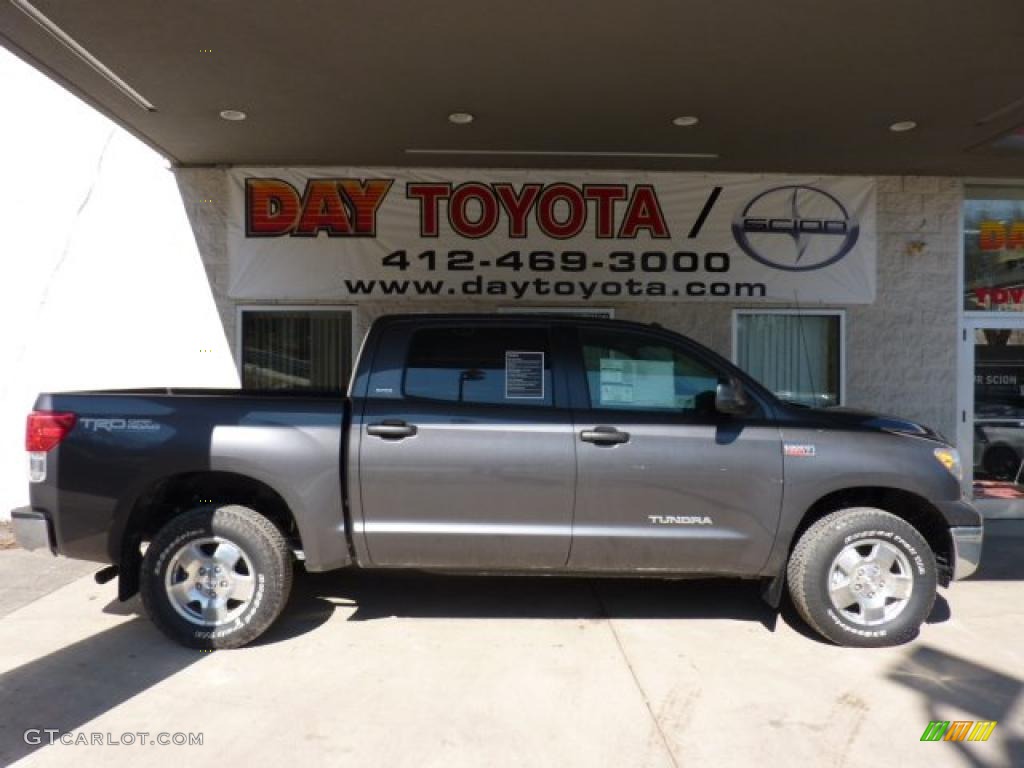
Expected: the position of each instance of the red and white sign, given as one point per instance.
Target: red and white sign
(550, 236)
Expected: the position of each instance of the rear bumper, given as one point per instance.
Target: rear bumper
(967, 540)
(32, 530)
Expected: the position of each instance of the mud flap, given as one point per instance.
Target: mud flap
(128, 571)
(771, 590)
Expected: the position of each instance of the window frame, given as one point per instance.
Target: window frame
(241, 309)
(551, 363)
(804, 312)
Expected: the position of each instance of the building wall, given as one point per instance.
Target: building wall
(101, 285)
(900, 351)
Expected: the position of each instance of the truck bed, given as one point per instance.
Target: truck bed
(128, 443)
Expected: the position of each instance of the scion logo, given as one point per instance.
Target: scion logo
(796, 228)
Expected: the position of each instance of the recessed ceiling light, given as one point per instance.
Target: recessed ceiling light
(685, 121)
(903, 126)
(233, 114)
(461, 118)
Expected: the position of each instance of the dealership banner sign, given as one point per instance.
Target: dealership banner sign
(537, 237)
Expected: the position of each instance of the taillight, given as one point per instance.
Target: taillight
(45, 429)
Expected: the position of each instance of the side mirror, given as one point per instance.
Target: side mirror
(730, 398)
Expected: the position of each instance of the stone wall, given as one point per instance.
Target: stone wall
(900, 350)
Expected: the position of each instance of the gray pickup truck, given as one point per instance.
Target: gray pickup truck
(482, 443)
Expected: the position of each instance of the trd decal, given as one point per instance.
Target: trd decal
(119, 425)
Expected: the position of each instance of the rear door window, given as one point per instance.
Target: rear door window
(491, 366)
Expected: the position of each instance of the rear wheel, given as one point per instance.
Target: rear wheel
(863, 577)
(216, 578)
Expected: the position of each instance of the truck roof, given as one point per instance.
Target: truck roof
(512, 317)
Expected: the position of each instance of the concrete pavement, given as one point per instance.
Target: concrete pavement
(27, 576)
(412, 670)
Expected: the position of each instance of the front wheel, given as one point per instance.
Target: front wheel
(863, 577)
(216, 578)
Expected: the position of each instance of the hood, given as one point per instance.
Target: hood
(842, 417)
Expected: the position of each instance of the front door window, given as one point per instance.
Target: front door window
(631, 372)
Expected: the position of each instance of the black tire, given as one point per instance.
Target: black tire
(263, 573)
(1001, 462)
(814, 565)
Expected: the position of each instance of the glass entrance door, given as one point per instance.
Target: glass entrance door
(996, 416)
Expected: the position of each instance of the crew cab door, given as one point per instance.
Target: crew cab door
(466, 448)
(664, 480)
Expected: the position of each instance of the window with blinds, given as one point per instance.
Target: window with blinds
(296, 349)
(797, 356)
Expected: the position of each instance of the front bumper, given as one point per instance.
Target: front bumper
(32, 530)
(967, 540)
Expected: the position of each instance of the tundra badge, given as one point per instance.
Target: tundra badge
(679, 520)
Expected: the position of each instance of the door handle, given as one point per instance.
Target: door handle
(604, 436)
(391, 430)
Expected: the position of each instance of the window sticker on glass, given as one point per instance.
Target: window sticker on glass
(615, 389)
(524, 375)
(645, 383)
